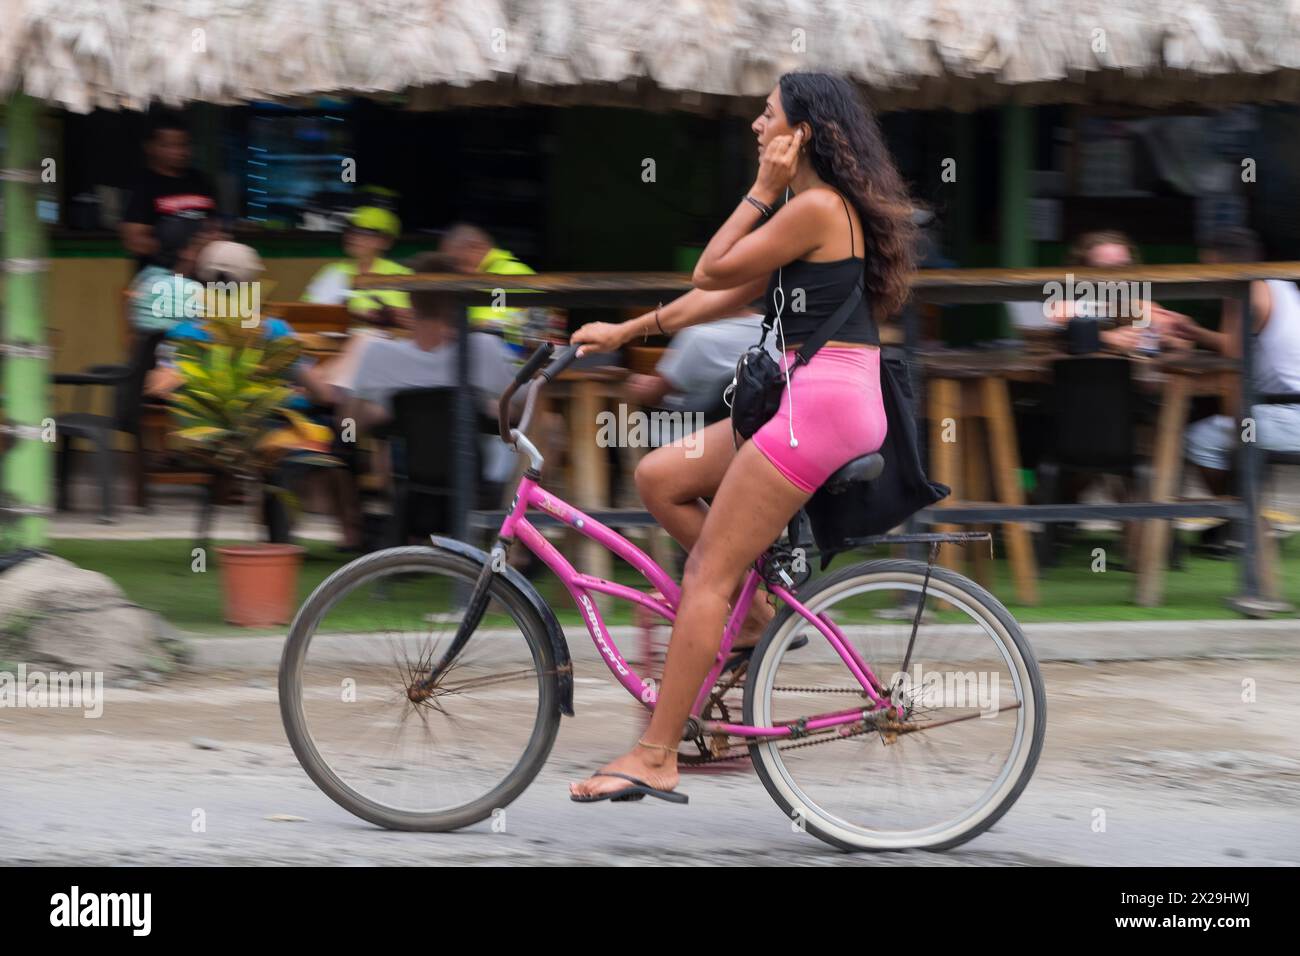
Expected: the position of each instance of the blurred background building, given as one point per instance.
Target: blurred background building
(1022, 123)
(607, 135)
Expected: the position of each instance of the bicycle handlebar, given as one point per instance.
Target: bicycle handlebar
(534, 363)
(563, 359)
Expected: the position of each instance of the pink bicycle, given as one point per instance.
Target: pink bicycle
(891, 704)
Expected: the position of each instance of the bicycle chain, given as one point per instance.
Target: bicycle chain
(701, 759)
(819, 690)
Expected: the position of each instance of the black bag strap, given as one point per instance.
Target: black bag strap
(768, 322)
(832, 325)
(827, 330)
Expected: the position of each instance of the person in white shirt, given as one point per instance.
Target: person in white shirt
(1213, 442)
(425, 359)
(697, 366)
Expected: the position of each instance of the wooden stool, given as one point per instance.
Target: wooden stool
(978, 404)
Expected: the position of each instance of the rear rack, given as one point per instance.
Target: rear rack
(920, 537)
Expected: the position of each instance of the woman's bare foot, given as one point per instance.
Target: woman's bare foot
(656, 767)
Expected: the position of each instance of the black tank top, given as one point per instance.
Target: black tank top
(825, 286)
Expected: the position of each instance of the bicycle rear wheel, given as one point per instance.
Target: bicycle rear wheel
(361, 725)
(974, 711)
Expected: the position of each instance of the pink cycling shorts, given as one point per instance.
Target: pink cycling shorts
(837, 415)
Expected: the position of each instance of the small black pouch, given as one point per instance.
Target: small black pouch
(755, 392)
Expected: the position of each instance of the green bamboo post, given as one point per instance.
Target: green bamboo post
(1017, 251)
(27, 466)
(963, 213)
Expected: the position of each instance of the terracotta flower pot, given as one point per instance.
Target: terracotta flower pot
(260, 583)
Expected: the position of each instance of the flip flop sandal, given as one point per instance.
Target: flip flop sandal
(638, 790)
(744, 654)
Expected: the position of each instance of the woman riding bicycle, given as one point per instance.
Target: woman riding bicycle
(847, 218)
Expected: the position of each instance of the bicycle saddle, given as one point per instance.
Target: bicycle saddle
(865, 468)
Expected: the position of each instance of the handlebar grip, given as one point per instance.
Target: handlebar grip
(562, 361)
(534, 363)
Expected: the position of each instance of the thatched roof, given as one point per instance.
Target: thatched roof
(693, 54)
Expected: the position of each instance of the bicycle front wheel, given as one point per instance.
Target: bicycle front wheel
(973, 722)
(366, 724)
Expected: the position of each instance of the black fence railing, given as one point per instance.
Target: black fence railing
(952, 286)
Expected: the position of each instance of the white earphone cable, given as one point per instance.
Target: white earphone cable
(778, 297)
(780, 331)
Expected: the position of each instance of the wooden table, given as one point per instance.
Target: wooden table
(929, 287)
(967, 393)
(969, 408)
(312, 316)
(579, 396)
(643, 359)
(581, 393)
(1161, 283)
(1179, 377)
(322, 346)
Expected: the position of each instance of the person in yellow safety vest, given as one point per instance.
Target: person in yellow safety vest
(370, 233)
(472, 250)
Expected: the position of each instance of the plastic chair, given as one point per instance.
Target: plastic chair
(424, 462)
(128, 384)
(1093, 410)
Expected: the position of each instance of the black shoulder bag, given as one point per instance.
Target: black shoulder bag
(755, 393)
(867, 508)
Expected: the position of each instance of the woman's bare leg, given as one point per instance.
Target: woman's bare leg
(752, 505)
(671, 485)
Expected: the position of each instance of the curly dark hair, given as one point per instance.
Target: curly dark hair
(849, 153)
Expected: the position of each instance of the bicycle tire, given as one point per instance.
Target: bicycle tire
(525, 617)
(765, 755)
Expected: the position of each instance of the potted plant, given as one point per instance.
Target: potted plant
(232, 415)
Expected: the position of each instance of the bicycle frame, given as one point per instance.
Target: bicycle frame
(580, 586)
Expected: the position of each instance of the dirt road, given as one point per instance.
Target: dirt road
(198, 771)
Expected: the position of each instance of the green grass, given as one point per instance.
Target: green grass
(156, 574)
(1072, 591)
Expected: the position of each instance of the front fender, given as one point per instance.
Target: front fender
(559, 646)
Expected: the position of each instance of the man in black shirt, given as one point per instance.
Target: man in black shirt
(169, 187)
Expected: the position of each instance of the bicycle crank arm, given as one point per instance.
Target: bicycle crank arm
(895, 727)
